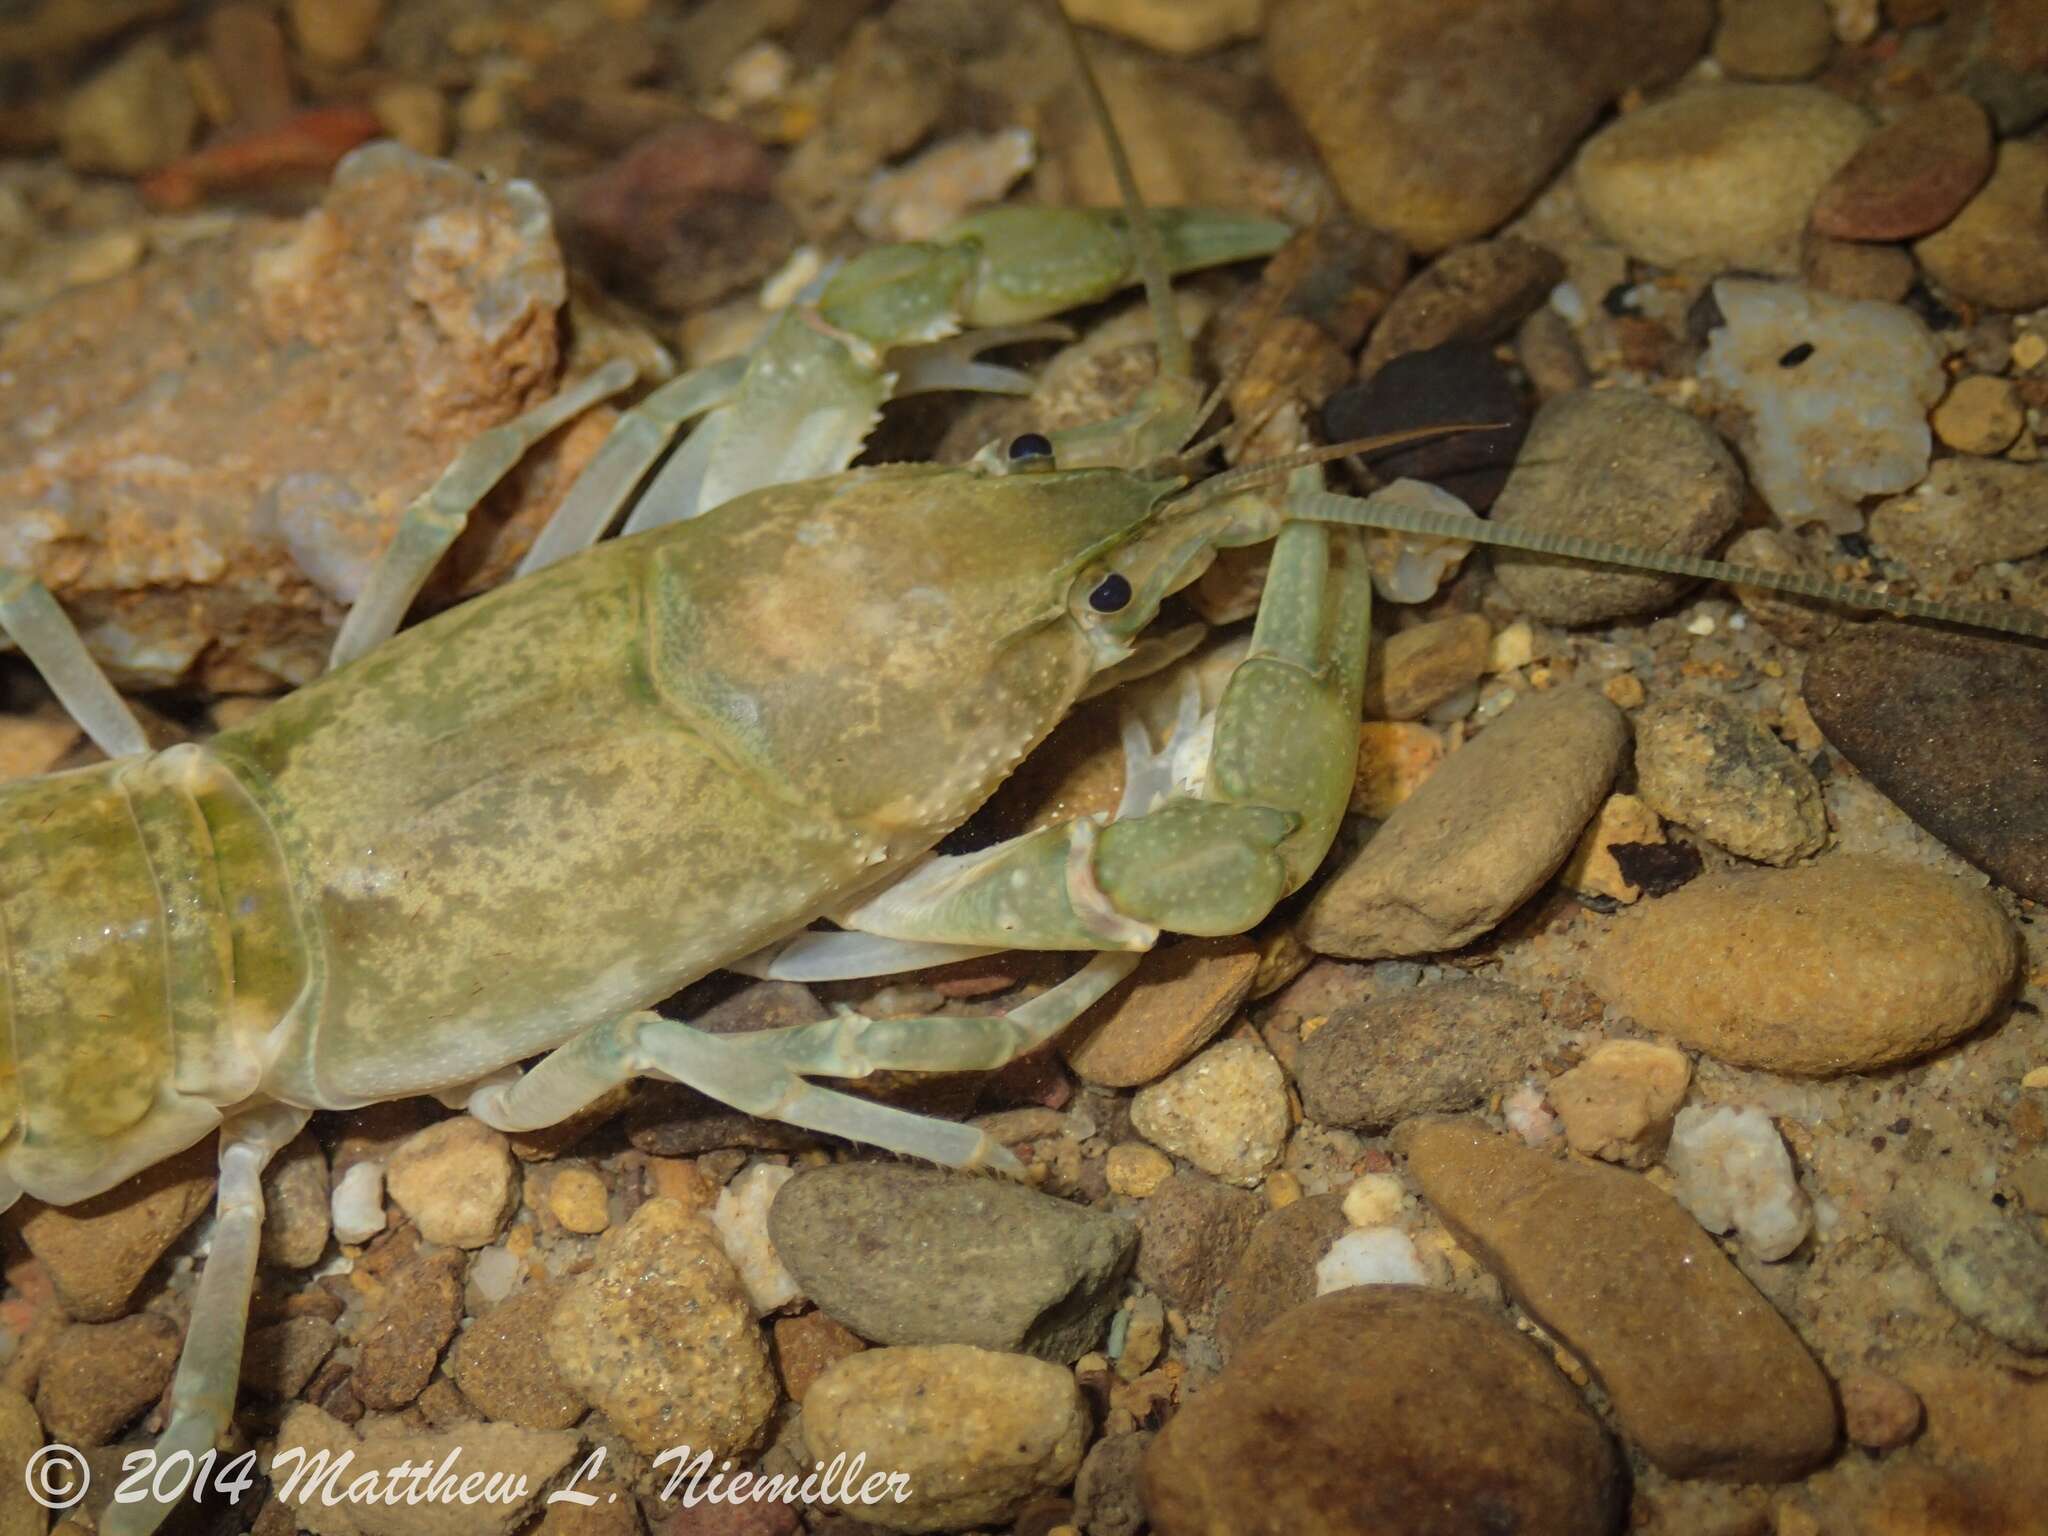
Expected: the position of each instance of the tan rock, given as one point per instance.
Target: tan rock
(1704, 1376)
(99, 1376)
(660, 1336)
(1980, 414)
(1394, 758)
(807, 1346)
(1416, 669)
(1619, 1102)
(457, 1180)
(1174, 26)
(1362, 1409)
(1162, 1013)
(336, 31)
(1995, 252)
(502, 1363)
(1773, 39)
(1842, 966)
(1134, 1169)
(1225, 1112)
(21, 1436)
(135, 116)
(974, 1433)
(1479, 837)
(98, 1251)
(1592, 870)
(1711, 767)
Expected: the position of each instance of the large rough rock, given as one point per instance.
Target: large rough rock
(1023, 1271)
(1438, 122)
(203, 457)
(1480, 835)
(1703, 1374)
(1846, 965)
(1383, 1409)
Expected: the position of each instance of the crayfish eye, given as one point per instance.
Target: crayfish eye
(1112, 594)
(1031, 450)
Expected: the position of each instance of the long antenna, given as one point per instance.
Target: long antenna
(1175, 356)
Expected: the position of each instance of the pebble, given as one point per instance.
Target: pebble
(1395, 757)
(1144, 1336)
(1773, 39)
(98, 1251)
(808, 1345)
(1024, 1271)
(660, 1337)
(502, 1363)
(1277, 1269)
(1719, 177)
(1374, 1199)
(1191, 1232)
(741, 1217)
(1107, 1501)
(1225, 1112)
(1134, 1169)
(356, 1210)
(1949, 727)
(415, 114)
(1414, 670)
(1704, 1376)
(1734, 1174)
(501, 1452)
(1797, 621)
(1439, 125)
(1428, 1050)
(295, 1205)
(135, 116)
(1619, 1102)
(1479, 837)
(1846, 965)
(99, 1376)
(1381, 1409)
(1980, 414)
(1623, 820)
(1171, 1006)
(1175, 26)
(457, 1180)
(1995, 252)
(1836, 391)
(1987, 1263)
(336, 32)
(1879, 1412)
(577, 1198)
(1378, 1256)
(974, 1432)
(282, 1358)
(1851, 269)
(924, 198)
(419, 1313)
(1912, 176)
(1623, 466)
(21, 1436)
(1478, 292)
(1706, 765)
(1968, 512)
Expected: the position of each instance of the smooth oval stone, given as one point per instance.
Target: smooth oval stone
(1022, 1271)
(1441, 386)
(1912, 175)
(1952, 728)
(1385, 1408)
(1995, 252)
(1842, 966)
(1704, 1375)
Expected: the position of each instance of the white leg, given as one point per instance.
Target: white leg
(436, 519)
(203, 1392)
(50, 641)
(848, 956)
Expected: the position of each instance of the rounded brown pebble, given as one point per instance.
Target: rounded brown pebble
(1773, 39)
(1995, 252)
(1912, 175)
(1980, 414)
(1278, 1267)
(1709, 766)
(1879, 1412)
(1846, 965)
(501, 1363)
(1385, 1409)
(1162, 1013)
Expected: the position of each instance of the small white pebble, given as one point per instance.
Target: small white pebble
(741, 1217)
(2038, 1078)
(1700, 624)
(494, 1273)
(1528, 1116)
(1373, 1200)
(357, 1206)
(1373, 1256)
(1733, 1172)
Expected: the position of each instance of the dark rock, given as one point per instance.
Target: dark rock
(1457, 384)
(1381, 1409)
(1278, 1269)
(422, 1309)
(1952, 727)
(1475, 292)
(1433, 1050)
(1191, 1230)
(1913, 174)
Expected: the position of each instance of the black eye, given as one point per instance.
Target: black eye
(1031, 448)
(1111, 595)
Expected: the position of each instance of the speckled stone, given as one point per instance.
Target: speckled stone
(661, 1337)
(1711, 767)
(1385, 1409)
(1225, 1112)
(1844, 965)
(1704, 1376)
(1024, 1271)
(1191, 1230)
(1950, 727)
(503, 1367)
(99, 1251)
